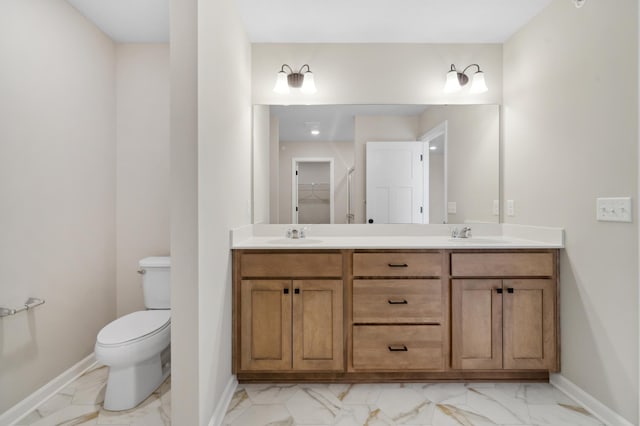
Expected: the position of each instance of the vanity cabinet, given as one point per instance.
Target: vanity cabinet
(353, 315)
(503, 311)
(397, 311)
(286, 322)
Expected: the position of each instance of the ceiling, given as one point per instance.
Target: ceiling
(331, 21)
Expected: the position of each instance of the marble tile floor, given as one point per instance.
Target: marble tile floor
(80, 403)
(435, 404)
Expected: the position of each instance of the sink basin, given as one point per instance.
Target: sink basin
(295, 242)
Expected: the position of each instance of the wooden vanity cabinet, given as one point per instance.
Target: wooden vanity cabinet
(508, 320)
(288, 323)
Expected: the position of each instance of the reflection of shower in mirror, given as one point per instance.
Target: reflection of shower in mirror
(350, 215)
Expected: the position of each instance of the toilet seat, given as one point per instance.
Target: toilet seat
(134, 327)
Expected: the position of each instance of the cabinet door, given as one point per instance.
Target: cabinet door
(266, 325)
(476, 324)
(317, 325)
(529, 324)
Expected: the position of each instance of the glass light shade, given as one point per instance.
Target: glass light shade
(452, 84)
(308, 85)
(282, 86)
(477, 83)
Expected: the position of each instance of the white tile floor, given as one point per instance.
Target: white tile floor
(435, 404)
(80, 403)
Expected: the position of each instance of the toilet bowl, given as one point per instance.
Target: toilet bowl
(136, 347)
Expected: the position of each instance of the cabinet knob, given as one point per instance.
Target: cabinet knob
(499, 290)
(296, 291)
(398, 348)
(509, 290)
(285, 291)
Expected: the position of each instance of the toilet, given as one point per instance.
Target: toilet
(136, 347)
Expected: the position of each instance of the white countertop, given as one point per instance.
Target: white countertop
(485, 236)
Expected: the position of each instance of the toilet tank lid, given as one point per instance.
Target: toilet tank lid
(156, 262)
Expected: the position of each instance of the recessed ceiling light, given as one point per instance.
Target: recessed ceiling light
(315, 132)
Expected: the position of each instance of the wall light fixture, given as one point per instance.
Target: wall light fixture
(457, 79)
(301, 79)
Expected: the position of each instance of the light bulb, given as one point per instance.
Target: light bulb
(478, 84)
(282, 86)
(308, 85)
(315, 132)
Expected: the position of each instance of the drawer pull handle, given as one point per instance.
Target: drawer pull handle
(398, 265)
(397, 302)
(398, 348)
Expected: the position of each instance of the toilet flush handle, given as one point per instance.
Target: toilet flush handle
(141, 271)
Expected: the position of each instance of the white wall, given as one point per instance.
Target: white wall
(473, 133)
(571, 135)
(371, 129)
(341, 152)
(57, 186)
(142, 217)
(224, 184)
(376, 73)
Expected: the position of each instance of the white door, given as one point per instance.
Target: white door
(395, 182)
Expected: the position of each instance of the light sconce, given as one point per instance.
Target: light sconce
(302, 80)
(457, 79)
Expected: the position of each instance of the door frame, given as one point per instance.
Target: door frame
(435, 132)
(294, 184)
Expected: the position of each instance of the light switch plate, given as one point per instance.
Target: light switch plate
(452, 207)
(496, 207)
(511, 208)
(613, 209)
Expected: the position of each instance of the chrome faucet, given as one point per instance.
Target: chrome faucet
(296, 233)
(462, 233)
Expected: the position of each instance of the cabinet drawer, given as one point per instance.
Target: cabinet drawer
(397, 264)
(502, 264)
(397, 301)
(292, 265)
(397, 347)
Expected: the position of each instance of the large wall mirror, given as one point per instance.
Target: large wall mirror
(376, 164)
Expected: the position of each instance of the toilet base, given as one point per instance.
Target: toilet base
(128, 386)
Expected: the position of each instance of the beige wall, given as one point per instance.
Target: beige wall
(342, 154)
(57, 186)
(571, 135)
(472, 158)
(376, 73)
(224, 184)
(142, 215)
(185, 325)
(370, 129)
(260, 163)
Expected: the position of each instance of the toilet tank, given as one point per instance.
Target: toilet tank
(156, 272)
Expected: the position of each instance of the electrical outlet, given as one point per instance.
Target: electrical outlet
(452, 207)
(496, 207)
(613, 209)
(511, 208)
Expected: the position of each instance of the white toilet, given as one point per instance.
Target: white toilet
(136, 347)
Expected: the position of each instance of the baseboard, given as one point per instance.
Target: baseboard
(595, 407)
(223, 402)
(30, 403)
